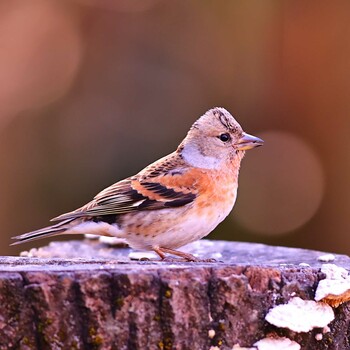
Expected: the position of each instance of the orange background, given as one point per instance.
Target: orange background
(91, 91)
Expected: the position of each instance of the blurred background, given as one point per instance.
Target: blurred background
(91, 91)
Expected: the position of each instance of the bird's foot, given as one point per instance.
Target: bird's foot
(185, 256)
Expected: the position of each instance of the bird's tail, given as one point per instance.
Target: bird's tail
(43, 232)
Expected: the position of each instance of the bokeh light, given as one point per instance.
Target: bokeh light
(41, 50)
(282, 185)
(121, 5)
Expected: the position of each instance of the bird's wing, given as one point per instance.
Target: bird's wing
(156, 187)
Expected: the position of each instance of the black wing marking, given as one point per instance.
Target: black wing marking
(122, 198)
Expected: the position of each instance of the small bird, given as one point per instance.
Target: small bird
(176, 200)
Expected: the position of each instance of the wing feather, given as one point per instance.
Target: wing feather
(141, 192)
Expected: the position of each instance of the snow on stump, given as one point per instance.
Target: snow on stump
(88, 295)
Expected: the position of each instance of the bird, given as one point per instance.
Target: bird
(174, 201)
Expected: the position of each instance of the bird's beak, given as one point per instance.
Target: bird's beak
(248, 142)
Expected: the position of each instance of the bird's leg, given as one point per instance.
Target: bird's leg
(185, 256)
(188, 257)
(159, 252)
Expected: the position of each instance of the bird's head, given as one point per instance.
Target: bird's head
(214, 138)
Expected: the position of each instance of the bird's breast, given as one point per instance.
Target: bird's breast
(217, 195)
(174, 227)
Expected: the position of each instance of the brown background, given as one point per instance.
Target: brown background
(91, 91)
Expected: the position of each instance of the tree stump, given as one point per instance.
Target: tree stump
(87, 295)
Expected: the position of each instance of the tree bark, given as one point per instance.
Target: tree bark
(86, 295)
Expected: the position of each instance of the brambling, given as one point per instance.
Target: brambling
(176, 200)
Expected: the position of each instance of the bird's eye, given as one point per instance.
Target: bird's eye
(225, 137)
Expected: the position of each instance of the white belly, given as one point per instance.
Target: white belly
(184, 226)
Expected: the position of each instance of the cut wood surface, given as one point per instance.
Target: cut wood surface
(87, 295)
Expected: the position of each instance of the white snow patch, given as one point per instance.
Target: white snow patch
(211, 333)
(277, 344)
(336, 283)
(142, 255)
(326, 330)
(319, 336)
(300, 315)
(333, 271)
(304, 265)
(326, 258)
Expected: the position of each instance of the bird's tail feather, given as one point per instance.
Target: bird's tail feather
(43, 232)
